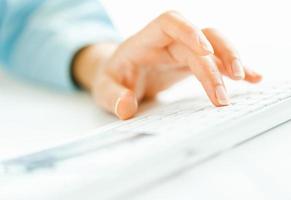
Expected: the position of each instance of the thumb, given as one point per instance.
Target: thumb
(115, 98)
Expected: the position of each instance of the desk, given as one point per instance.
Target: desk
(259, 169)
(33, 117)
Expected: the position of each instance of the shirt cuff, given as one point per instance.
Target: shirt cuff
(69, 43)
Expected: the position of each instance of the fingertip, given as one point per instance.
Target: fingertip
(253, 77)
(126, 106)
(257, 79)
(222, 96)
(217, 94)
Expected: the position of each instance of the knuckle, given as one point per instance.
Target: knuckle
(188, 29)
(210, 29)
(214, 75)
(168, 15)
(175, 19)
(232, 54)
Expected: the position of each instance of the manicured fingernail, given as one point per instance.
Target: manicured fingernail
(125, 106)
(116, 107)
(222, 96)
(238, 69)
(205, 45)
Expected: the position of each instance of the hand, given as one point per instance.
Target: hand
(163, 53)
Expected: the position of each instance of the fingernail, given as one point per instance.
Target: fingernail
(127, 108)
(238, 69)
(117, 103)
(205, 45)
(222, 96)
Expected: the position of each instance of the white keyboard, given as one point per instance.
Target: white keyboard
(125, 156)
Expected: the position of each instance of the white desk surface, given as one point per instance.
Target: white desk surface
(32, 117)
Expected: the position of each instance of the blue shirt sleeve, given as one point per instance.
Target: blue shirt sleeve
(39, 38)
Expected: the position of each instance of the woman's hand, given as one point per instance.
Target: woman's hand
(163, 53)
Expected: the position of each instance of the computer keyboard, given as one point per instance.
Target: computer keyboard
(125, 156)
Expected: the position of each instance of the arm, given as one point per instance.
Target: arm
(39, 38)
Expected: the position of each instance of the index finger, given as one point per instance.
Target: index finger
(172, 27)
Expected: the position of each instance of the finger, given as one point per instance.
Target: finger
(208, 74)
(170, 27)
(252, 76)
(227, 53)
(206, 71)
(115, 98)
